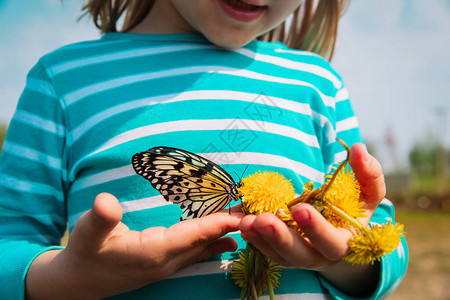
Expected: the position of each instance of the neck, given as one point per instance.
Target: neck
(163, 18)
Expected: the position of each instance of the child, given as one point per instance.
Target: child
(190, 75)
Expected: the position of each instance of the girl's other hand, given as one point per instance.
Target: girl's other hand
(104, 257)
(324, 245)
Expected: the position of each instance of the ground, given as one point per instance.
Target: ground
(428, 275)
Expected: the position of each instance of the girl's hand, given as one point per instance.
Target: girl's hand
(103, 257)
(324, 245)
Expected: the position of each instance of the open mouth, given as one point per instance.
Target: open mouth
(242, 11)
(242, 5)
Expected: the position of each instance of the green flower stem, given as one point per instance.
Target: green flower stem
(319, 193)
(269, 286)
(355, 223)
(248, 266)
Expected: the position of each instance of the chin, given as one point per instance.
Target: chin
(230, 43)
(229, 38)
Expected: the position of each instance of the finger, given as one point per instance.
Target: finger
(330, 241)
(96, 224)
(249, 233)
(197, 254)
(236, 209)
(369, 173)
(283, 242)
(201, 231)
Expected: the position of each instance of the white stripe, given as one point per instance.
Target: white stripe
(41, 86)
(299, 296)
(251, 158)
(214, 124)
(347, 124)
(102, 177)
(225, 266)
(204, 268)
(144, 203)
(279, 103)
(298, 52)
(30, 187)
(387, 202)
(327, 100)
(342, 95)
(91, 60)
(294, 65)
(283, 62)
(39, 122)
(32, 154)
(74, 96)
(401, 251)
(339, 157)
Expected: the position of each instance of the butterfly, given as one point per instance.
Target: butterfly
(199, 186)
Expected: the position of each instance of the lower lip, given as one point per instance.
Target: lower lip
(241, 15)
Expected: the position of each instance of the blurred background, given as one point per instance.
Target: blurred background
(394, 57)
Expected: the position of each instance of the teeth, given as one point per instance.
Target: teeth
(241, 5)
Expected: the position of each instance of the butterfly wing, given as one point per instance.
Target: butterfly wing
(199, 186)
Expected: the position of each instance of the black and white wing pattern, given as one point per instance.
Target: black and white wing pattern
(199, 186)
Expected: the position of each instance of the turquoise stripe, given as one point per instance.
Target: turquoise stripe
(88, 44)
(40, 140)
(39, 122)
(45, 219)
(345, 110)
(278, 98)
(99, 87)
(26, 186)
(70, 65)
(28, 153)
(294, 150)
(41, 173)
(36, 238)
(32, 232)
(74, 96)
(250, 112)
(220, 286)
(41, 86)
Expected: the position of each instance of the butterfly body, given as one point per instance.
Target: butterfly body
(199, 186)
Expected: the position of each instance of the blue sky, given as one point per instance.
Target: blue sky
(393, 55)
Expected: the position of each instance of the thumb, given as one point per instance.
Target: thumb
(96, 224)
(369, 174)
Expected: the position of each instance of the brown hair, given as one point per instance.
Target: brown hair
(313, 26)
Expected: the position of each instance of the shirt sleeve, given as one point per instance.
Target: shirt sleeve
(32, 185)
(393, 265)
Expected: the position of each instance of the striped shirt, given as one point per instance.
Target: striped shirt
(88, 107)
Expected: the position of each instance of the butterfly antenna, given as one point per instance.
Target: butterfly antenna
(240, 179)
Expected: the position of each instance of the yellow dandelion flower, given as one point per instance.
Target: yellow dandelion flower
(266, 192)
(275, 271)
(372, 244)
(238, 271)
(255, 274)
(343, 193)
